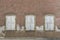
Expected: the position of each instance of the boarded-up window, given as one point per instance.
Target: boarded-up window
(49, 22)
(10, 22)
(30, 22)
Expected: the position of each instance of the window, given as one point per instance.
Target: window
(30, 22)
(49, 22)
(10, 22)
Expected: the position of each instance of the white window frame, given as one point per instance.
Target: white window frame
(48, 28)
(11, 28)
(29, 28)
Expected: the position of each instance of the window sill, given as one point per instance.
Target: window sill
(30, 31)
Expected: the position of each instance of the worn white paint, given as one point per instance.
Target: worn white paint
(1, 29)
(10, 22)
(56, 29)
(18, 27)
(30, 22)
(49, 22)
(39, 28)
(22, 28)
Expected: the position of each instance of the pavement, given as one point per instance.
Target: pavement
(28, 38)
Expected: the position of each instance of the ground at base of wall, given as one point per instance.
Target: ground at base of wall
(28, 38)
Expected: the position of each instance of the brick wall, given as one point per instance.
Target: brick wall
(25, 7)
(22, 7)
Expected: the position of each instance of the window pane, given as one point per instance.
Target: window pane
(49, 22)
(30, 22)
(10, 22)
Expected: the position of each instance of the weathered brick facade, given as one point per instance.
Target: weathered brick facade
(39, 8)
